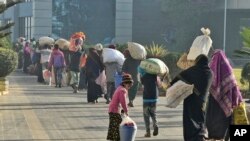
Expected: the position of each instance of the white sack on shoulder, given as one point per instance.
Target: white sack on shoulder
(112, 55)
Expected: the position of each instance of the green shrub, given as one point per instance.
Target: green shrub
(245, 75)
(170, 60)
(8, 61)
(5, 42)
(156, 51)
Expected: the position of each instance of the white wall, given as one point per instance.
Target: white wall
(238, 4)
(42, 18)
(123, 21)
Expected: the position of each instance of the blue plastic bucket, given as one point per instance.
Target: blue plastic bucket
(127, 133)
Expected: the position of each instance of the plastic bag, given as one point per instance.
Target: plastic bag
(102, 81)
(178, 92)
(127, 121)
(240, 115)
(201, 45)
(47, 75)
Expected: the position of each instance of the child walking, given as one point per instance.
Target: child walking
(150, 98)
(119, 98)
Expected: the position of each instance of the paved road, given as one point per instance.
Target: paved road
(35, 112)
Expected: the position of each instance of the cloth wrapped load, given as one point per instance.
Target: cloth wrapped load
(63, 44)
(177, 93)
(154, 66)
(76, 41)
(201, 45)
(46, 41)
(112, 55)
(137, 51)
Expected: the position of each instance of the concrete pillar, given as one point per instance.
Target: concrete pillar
(123, 21)
(42, 18)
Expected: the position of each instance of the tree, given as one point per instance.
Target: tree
(3, 7)
(8, 58)
(245, 50)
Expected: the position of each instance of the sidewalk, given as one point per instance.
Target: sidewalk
(36, 112)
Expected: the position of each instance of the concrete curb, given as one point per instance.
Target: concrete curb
(6, 88)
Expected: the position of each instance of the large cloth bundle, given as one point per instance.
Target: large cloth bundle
(177, 93)
(112, 55)
(63, 44)
(46, 41)
(154, 66)
(137, 51)
(184, 63)
(201, 45)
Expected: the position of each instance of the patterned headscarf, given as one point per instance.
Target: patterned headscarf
(224, 86)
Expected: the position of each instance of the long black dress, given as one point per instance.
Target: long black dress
(194, 112)
(94, 67)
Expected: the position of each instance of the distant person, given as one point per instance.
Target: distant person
(94, 67)
(119, 98)
(194, 106)
(74, 67)
(224, 95)
(26, 57)
(58, 63)
(111, 69)
(45, 56)
(83, 79)
(130, 66)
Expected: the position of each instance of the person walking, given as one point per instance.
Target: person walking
(119, 98)
(130, 66)
(111, 69)
(224, 95)
(83, 81)
(27, 57)
(150, 98)
(194, 106)
(94, 67)
(74, 67)
(58, 63)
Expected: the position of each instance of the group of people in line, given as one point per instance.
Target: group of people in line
(207, 113)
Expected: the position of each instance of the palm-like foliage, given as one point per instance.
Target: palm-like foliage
(156, 51)
(245, 51)
(4, 7)
(245, 75)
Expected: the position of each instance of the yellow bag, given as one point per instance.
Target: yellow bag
(183, 63)
(240, 115)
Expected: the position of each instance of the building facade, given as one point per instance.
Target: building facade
(171, 23)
